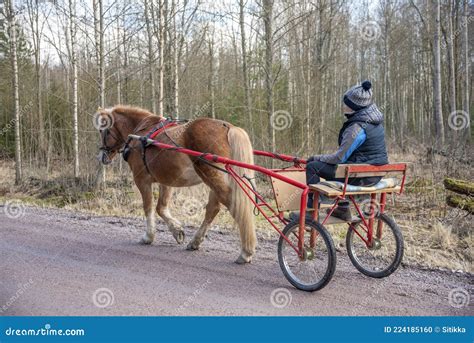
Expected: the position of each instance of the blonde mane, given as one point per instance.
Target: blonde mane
(132, 111)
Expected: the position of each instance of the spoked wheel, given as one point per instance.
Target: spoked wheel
(383, 257)
(315, 269)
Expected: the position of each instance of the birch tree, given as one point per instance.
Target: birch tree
(74, 77)
(98, 10)
(467, 84)
(12, 35)
(245, 72)
(437, 105)
(267, 15)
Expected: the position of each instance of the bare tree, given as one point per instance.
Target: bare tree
(211, 82)
(437, 105)
(267, 15)
(175, 59)
(12, 31)
(37, 30)
(73, 61)
(451, 58)
(151, 56)
(99, 49)
(245, 72)
(161, 45)
(467, 84)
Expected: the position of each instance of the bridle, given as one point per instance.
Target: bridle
(116, 146)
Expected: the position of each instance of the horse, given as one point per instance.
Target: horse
(172, 169)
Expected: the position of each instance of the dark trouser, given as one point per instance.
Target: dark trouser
(317, 169)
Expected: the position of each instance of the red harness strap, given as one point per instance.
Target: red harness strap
(160, 127)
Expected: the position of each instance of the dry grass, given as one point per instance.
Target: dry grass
(436, 236)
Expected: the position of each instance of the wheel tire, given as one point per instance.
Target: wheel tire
(330, 250)
(398, 254)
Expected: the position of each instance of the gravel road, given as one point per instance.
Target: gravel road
(57, 262)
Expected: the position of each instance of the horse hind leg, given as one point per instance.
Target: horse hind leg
(231, 196)
(212, 209)
(162, 209)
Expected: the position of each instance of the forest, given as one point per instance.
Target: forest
(278, 69)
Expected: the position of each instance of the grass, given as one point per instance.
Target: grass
(436, 236)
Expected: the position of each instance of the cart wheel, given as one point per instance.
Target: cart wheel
(316, 269)
(386, 253)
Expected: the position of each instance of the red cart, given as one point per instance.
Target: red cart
(306, 251)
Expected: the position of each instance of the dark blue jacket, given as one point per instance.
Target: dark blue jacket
(361, 139)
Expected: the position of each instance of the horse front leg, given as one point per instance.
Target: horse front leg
(145, 188)
(174, 225)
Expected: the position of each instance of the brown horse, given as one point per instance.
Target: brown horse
(173, 169)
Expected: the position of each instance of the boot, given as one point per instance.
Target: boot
(342, 211)
(295, 216)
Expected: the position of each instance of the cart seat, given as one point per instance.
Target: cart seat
(335, 188)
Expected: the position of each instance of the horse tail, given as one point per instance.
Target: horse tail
(241, 206)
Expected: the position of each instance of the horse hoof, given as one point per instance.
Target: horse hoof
(242, 260)
(145, 240)
(191, 247)
(179, 236)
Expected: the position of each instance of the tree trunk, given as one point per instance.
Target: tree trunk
(437, 105)
(151, 55)
(268, 23)
(99, 46)
(175, 61)
(459, 186)
(211, 86)
(466, 65)
(161, 45)
(245, 73)
(73, 30)
(11, 20)
(451, 60)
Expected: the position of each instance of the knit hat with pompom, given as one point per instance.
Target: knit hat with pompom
(359, 96)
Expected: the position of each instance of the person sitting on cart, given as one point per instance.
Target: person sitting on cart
(361, 141)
